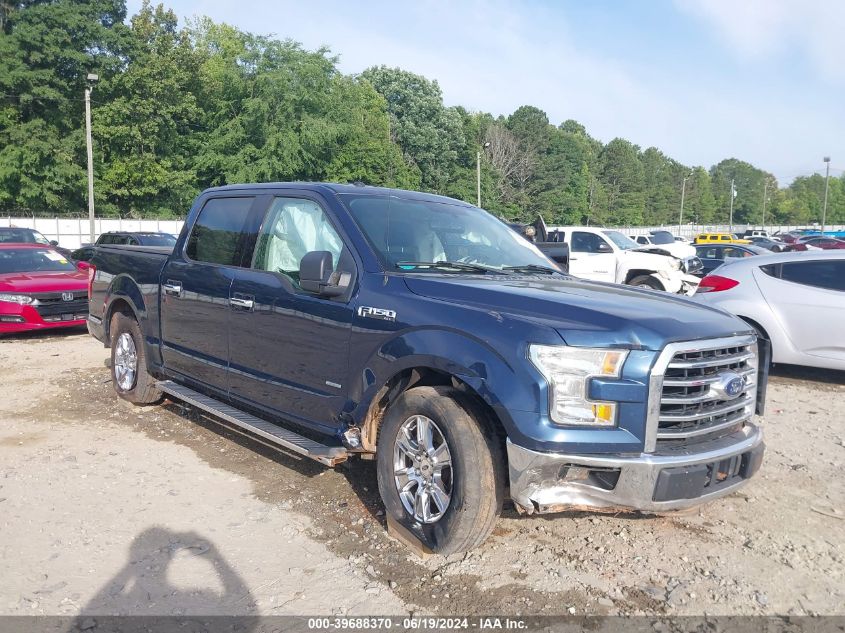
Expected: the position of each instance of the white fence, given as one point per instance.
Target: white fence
(691, 230)
(74, 232)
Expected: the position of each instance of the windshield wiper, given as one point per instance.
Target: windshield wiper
(476, 268)
(534, 268)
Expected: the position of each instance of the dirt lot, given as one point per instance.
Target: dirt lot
(109, 508)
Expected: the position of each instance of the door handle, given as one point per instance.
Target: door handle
(173, 288)
(241, 302)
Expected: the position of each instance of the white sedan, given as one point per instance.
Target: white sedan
(795, 300)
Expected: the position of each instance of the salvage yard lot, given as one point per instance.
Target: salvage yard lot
(109, 508)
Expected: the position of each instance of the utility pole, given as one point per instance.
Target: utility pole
(683, 191)
(733, 195)
(478, 174)
(826, 179)
(92, 79)
(765, 188)
(478, 178)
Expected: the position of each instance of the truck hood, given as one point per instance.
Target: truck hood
(650, 257)
(678, 249)
(585, 313)
(56, 281)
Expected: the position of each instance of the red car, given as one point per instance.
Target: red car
(40, 288)
(817, 241)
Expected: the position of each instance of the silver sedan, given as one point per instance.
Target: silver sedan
(795, 300)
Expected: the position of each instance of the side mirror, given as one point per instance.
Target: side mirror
(604, 247)
(53, 243)
(83, 266)
(316, 274)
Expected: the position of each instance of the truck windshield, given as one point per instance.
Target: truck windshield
(405, 231)
(622, 241)
(29, 260)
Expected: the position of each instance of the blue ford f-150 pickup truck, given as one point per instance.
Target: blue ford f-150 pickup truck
(422, 332)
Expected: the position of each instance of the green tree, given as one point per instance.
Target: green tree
(430, 135)
(46, 52)
(749, 183)
(623, 177)
(146, 126)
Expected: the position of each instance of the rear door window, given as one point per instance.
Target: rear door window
(828, 274)
(218, 236)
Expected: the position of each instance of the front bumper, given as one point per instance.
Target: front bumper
(678, 282)
(25, 318)
(552, 482)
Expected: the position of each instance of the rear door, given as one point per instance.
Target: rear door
(808, 298)
(591, 257)
(288, 347)
(195, 286)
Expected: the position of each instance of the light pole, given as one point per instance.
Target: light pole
(826, 179)
(733, 195)
(478, 173)
(92, 79)
(683, 192)
(765, 191)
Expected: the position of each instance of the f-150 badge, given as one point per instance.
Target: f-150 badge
(376, 313)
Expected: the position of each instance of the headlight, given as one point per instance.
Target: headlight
(568, 370)
(675, 264)
(10, 298)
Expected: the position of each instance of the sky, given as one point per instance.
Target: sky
(701, 80)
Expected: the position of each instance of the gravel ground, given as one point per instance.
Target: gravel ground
(106, 508)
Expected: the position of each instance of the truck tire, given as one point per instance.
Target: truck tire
(644, 281)
(129, 364)
(440, 468)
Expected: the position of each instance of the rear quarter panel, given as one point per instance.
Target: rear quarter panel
(129, 275)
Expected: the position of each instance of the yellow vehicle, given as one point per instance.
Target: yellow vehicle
(719, 238)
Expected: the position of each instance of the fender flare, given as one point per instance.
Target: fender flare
(467, 362)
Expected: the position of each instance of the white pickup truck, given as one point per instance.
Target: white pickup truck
(609, 255)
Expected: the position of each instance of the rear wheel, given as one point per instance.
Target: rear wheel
(129, 364)
(644, 281)
(440, 468)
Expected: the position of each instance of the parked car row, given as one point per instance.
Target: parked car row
(45, 286)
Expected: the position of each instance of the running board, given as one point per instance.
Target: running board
(269, 432)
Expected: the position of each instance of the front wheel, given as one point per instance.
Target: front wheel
(129, 364)
(440, 468)
(644, 281)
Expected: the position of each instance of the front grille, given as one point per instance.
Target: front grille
(51, 306)
(696, 402)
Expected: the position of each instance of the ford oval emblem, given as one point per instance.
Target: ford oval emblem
(730, 385)
(734, 387)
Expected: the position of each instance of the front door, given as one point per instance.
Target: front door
(289, 348)
(591, 257)
(195, 292)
